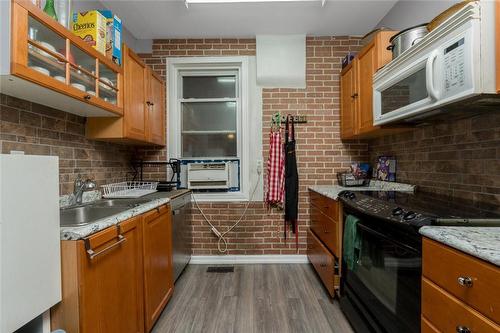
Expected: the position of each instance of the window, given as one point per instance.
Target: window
(209, 114)
(215, 114)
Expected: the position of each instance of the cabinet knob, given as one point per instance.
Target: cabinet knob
(87, 97)
(148, 103)
(465, 281)
(463, 329)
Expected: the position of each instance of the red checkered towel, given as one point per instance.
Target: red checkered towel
(275, 171)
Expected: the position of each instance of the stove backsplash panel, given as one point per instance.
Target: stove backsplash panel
(459, 159)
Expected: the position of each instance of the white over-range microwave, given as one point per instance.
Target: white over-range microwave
(452, 68)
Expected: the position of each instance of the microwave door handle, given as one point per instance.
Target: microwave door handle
(429, 76)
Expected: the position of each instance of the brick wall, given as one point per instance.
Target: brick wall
(458, 159)
(40, 130)
(319, 149)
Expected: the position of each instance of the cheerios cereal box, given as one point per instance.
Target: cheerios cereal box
(91, 27)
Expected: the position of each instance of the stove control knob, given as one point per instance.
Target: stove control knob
(346, 194)
(352, 195)
(397, 211)
(410, 215)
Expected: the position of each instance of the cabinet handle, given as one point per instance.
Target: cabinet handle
(463, 329)
(92, 254)
(355, 95)
(87, 97)
(148, 103)
(325, 230)
(465, 281)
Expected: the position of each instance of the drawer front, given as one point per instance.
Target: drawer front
(426, 327)
(325, 229)
(322, 260)
(449, 269)
(447, 314)
(328, 206)
(154, 213)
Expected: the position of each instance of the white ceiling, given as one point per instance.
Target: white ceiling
(170, 18)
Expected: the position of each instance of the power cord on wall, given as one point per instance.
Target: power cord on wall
(222, 241)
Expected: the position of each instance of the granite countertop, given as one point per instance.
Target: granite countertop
(480, 242)
(332, 191)
(157, 199)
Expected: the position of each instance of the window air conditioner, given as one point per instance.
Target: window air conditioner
(208, 176)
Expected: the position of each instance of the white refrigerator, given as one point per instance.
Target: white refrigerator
(30, 260)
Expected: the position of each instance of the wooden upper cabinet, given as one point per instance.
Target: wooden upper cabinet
(347, 108)
(136, 90)
(50, 65)
(156, 108)
(103, 282)
(356, 109)
(158, 265)
(143, 120)
(365, 68)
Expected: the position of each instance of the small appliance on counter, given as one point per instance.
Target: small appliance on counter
(162, 185)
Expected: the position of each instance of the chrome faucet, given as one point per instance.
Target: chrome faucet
(81, 186)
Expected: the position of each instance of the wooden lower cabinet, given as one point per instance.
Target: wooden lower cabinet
(447, 314)
(323, 262)
(119, 279)
(324, 240)
(158, 269)
(458, 291)
(102, 290)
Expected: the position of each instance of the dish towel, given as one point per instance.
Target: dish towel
(352, 242)
(275, 171)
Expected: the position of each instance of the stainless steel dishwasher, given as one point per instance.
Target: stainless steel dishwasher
(182, 236)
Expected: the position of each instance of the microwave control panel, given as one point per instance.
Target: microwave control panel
(454, 66)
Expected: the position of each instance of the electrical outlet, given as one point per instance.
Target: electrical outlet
(260, 166)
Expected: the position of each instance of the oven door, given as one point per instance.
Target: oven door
(385, 284)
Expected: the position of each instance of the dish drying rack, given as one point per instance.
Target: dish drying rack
(128, 189)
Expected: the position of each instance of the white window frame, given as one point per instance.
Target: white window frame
(249, 121)
(237, 99)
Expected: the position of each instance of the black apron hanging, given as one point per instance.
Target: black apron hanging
(291, 180)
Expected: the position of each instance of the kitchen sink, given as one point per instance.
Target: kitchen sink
(120, 202)
(82, 215)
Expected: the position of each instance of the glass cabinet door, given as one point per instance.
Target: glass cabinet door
(82, 70)
(46, 50)
(108, 84)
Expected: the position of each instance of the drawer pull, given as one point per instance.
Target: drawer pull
(465, 281)
(463, 329)
(92, 254)
(322, 265)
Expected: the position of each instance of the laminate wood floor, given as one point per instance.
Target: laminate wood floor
(254, 298)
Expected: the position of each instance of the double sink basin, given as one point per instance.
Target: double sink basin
(76, 216)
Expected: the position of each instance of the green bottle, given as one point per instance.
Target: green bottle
(50, 10)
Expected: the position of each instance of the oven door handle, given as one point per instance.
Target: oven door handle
(381, 235)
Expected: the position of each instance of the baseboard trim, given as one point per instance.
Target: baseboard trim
(249, 259)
